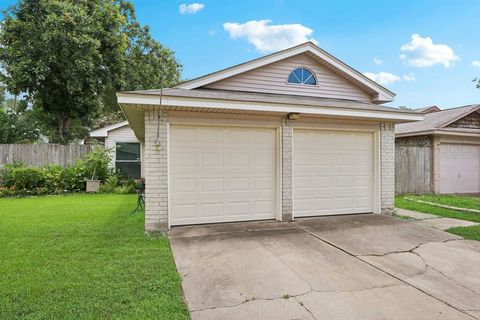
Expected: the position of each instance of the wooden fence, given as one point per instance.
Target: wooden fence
(413, 165)
(42, 154)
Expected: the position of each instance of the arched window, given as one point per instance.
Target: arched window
(302, 76)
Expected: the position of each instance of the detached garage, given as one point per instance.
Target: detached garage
(294, 134)
(440, 154)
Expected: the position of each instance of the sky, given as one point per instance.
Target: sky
(427, 52)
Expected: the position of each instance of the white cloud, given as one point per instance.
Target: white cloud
(377, 61)
(422, 52)
(476, 63)
(383, 78)
(409, 77)
(267, 37)
(190, 8)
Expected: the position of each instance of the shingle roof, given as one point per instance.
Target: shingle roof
(435, 120)
(267, 97)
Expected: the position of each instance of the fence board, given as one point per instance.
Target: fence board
(43, 154)
(413, 169)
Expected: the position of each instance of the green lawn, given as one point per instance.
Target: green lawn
(472, 233)
(400, 202)
(468, 202)
(84, 257)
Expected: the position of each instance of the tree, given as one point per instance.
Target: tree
(18, 123)
(150, 65)
(70, 56)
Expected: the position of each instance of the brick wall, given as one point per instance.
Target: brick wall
(287, 159)
(155, 169)
(387, 167)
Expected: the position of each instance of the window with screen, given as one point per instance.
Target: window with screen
(127, 160)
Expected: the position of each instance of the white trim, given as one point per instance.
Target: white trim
(377, 180)
(103, 132)
(268, 107)
(168, 175)
(279, 202)
(383, 94)
(438, 132)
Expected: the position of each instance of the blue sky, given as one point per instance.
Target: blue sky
(437, 68)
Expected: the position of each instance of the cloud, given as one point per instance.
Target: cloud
(383, 78)
(476, 63)
(377, 61)
(422, 52)
(409, 77)
(190, 8)
(267, 38)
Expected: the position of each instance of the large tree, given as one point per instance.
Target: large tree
(70, 56)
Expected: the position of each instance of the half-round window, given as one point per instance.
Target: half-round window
(302, 76)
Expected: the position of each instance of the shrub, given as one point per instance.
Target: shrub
(96, 164)
(23, 178)
(53, 177)
(73, 177)
(115, 185)
(19, 180)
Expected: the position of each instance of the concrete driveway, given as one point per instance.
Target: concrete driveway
(348, 267)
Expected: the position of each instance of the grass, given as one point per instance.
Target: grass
(84, 257)
(472, 233)
(400, 202)
(468, 202)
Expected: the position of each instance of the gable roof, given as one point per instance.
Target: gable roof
(380, 93)
(434, 121)
(103, 132)
(428, 109)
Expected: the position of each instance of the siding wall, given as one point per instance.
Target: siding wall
(413, 165)
(273, 79)
(123, 134)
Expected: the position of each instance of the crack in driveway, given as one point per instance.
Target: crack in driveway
(389, 273)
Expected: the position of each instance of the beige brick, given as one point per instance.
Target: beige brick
(155, 168)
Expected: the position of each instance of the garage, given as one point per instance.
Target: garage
(332, 172)
(222, 174)
(459, 168)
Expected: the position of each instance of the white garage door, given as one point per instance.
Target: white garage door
(221, 174)
(333, 172)
(459, 168)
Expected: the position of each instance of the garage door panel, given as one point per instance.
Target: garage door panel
(333, 172)
(222, 174)
(459, 168)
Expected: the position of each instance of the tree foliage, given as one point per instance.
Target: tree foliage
(70, 56)
(18, 123)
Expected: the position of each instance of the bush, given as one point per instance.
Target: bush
(19, 180)
(96, 164)
(115, 185)
(23, 178)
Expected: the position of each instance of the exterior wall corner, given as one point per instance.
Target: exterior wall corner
(387, 167)
(156, 170)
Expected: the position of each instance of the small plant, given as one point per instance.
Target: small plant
(286, 296)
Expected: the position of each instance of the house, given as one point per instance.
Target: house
(292, 134)
(125, 148)
(440, 154)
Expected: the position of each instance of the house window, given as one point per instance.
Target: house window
(302, 76)
(127, 159)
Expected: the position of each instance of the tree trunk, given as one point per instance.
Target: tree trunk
(64, 127)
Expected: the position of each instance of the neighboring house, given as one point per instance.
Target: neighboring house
(293, 134)
(440, 154)
(125, 148)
